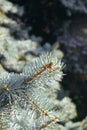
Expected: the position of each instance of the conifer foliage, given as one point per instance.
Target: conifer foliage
(28, 100)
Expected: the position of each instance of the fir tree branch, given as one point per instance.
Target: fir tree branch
(31, 95)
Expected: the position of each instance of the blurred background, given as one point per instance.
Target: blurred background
(56, 24)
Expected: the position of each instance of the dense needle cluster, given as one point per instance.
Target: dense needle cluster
(26, 99)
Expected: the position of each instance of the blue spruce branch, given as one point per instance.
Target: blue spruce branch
(28, 100)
